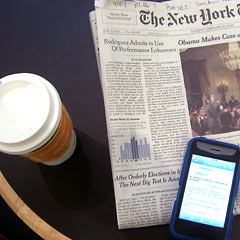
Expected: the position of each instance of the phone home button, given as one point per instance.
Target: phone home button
(201, 232)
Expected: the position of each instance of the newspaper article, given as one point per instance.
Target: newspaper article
(169, 72)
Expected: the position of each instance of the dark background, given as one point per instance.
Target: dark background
(53, 39)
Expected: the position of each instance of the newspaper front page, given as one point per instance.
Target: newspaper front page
(168, 74)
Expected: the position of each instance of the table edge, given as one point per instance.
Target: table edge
(30, 218)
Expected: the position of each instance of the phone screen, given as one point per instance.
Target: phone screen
(207, 191)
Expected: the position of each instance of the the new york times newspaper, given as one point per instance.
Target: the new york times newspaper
(169, 71)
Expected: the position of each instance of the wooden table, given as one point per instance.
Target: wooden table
(74, 200)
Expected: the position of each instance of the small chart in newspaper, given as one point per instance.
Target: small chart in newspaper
(131, 147)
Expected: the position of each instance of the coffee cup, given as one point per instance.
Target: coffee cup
(33, 121)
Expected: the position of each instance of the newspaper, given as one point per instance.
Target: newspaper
(168, 72)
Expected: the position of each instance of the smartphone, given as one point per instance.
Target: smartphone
(207, 189)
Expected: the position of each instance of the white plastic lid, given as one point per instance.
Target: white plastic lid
(30, 111)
